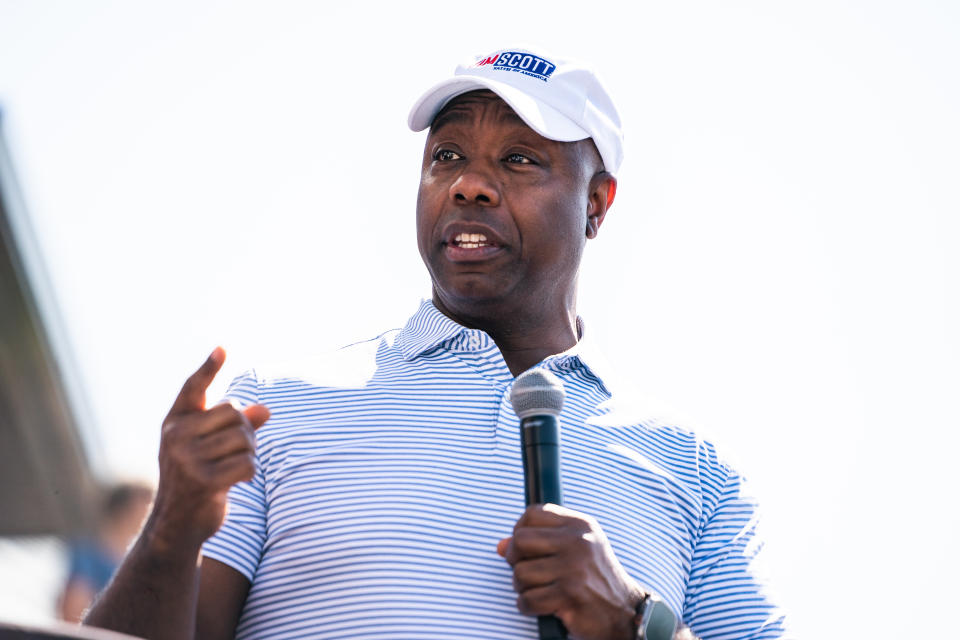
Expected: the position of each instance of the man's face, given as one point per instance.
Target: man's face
(502, 212)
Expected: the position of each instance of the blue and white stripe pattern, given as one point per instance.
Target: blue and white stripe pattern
(390, 469)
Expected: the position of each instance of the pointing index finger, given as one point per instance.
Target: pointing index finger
(192, 396)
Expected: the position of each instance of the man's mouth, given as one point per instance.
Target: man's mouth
(470, 241)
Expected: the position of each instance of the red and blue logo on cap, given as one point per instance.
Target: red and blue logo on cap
(519, 62)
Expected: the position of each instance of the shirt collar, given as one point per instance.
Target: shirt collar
(425, 330)
(429, 328)
(584, 355)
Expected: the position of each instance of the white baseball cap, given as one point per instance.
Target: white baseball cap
(559, 99)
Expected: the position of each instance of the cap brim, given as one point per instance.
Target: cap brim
(540, 117)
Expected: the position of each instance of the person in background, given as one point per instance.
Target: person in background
(94, 559)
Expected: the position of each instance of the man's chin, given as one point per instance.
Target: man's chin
(470, 299)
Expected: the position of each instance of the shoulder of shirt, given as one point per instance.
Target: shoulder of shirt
(350, 366)
(664, 423)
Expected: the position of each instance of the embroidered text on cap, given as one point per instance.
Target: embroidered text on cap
(519, 62)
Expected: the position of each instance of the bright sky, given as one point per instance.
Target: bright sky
(781, 263)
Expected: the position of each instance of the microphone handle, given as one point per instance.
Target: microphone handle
(540, 437)
(551, 628)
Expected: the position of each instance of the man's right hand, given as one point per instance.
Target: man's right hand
(203, 452)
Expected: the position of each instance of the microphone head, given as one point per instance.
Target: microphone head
(537, 392)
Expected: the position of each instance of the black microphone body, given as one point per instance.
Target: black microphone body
(540, 436)
(540, 451)
(537, 399)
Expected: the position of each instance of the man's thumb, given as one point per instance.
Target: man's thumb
(257, 414)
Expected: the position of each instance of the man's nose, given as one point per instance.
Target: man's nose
(475, 186)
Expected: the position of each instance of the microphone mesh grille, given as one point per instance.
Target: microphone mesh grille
(537, 392)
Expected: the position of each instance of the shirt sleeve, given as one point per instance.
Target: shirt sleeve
(726, 599)
(239, 541)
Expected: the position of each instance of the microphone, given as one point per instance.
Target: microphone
(537, 398)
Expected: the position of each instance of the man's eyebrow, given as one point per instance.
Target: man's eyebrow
(449, 116)
(511, 115)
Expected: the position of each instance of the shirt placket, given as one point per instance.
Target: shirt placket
(507, 426)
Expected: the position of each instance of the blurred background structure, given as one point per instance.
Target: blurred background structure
(47, 485)
(49, 490)
(63, 523)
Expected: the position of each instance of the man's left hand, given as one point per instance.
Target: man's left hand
(564, 566)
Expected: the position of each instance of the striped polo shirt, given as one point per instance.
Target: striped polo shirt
(389, 470)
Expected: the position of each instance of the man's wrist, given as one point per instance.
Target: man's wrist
(166, 540)
(636, 597)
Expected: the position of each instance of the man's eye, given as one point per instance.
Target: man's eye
(518, 158)
(445, 155)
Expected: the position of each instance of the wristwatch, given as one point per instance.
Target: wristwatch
(655, 620)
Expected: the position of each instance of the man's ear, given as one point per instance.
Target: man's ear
(603, 190)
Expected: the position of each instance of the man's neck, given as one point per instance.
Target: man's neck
(524, 337)
(521, 354)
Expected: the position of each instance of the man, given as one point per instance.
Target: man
(384, 496)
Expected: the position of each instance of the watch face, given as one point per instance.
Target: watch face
(658, 621)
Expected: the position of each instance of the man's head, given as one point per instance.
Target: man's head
(504, 210)
(125, 506)
(560, 99)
